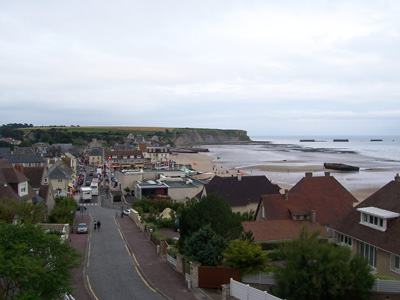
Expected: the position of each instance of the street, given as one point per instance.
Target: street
(111, 270)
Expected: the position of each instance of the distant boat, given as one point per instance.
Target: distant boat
(306, 141)
(341, 140)
(376, 140)
(341, 167)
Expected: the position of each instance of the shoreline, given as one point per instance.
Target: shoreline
(204, 162)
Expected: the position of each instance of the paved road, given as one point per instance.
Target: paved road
(111, 270)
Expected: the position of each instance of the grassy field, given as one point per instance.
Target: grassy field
(105, 128)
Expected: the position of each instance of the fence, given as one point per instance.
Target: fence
(172, 260)
(244, 292)
(386, 286)
(380, 286)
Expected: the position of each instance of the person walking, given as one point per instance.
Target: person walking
(94, 225)
(98, 225)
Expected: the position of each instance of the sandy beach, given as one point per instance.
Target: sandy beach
(210, 167)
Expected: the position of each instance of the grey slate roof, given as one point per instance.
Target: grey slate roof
(241, 192)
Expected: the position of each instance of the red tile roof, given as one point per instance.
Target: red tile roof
(324, 194)
(279, 230)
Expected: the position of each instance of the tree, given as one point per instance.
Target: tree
(34, 264)
(315, 269)
(206, 247)
(8, 209)
(246, 256)
(211, 210)
(25, 212)
(64, 210)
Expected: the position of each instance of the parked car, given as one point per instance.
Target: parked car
(82, 228)
(126, 212)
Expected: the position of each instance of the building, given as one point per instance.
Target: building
(61, 177)
(41, 184)
(15, 185)
(322, 196)
(372, 229)
(126, 159)
(95, 156)
(275, 231)
(175, 185)
(242, 193)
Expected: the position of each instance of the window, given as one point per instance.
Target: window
(60, 180)
(346, 241)
(23, 187)
(369, 252)
(46, 180)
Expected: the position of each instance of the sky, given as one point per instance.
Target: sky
(308, 67)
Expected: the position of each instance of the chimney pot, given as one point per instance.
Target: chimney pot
(397, 178)
(286, 195)
(239, 176)
(308, 174)
(313, 216)
(327, 174)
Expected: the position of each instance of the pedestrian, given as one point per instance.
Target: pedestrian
(98, 225)
(94, 225)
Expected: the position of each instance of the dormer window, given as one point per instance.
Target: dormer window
(23, 188)
(375, 217)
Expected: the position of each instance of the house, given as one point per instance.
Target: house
(322, 196)
(24, 157)
(275, 231)
(372, 229)
(15, 185)
(242, 192)
(158, 154)
(95, 156)
(61, 178)
(41, 184)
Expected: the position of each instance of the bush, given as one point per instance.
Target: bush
(173, 251)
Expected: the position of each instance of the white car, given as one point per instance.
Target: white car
(126, 212)
(82, 228)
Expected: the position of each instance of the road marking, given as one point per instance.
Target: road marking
(88, 258)
(90, 287)
(120, 233)
(144, 280)
(128, 250)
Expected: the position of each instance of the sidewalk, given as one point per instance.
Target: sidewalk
(80, 242)
(158, 272)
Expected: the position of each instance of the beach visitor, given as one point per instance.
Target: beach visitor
(94, 225)
(98, 225)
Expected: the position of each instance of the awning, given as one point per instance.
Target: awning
(126, 166)
(139, 166)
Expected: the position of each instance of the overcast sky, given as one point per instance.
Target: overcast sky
(268, 67)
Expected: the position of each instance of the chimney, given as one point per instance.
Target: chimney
(313, 216)
(286, 194)
(239, 176)
(397, 178)
(308, 174)
(327, 174)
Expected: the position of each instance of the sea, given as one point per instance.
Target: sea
(378, 158)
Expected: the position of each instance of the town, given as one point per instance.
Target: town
(141, 223)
